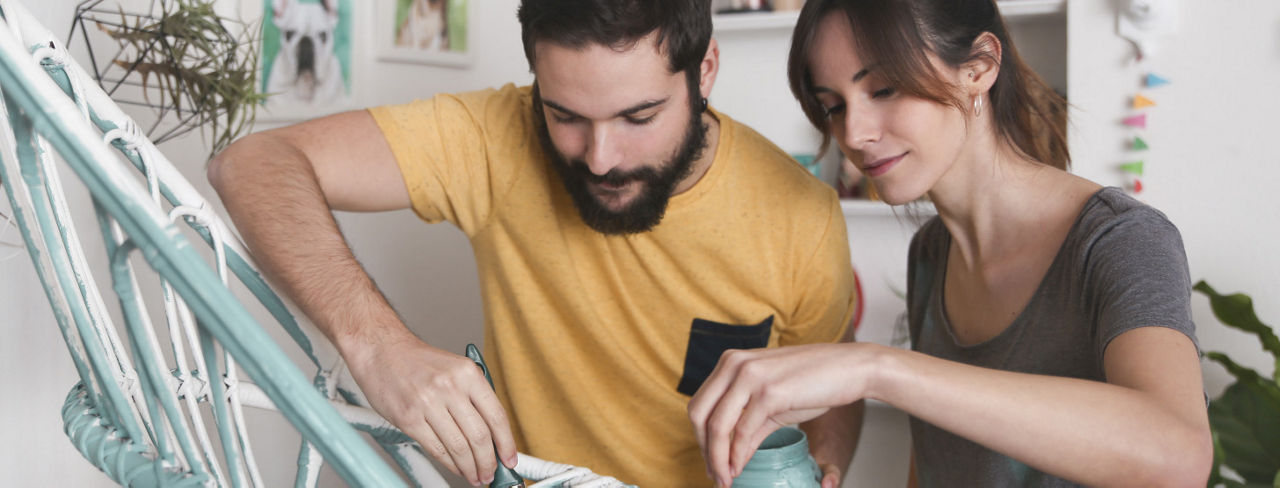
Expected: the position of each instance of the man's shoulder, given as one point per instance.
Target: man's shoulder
(771, 173)
(503, 103)
(509, 96)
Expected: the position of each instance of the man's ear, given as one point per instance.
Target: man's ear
(709, 68)
(980, 74)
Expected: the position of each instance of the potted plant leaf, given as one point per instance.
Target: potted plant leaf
(1246, 418)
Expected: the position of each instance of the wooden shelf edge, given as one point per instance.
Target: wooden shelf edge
(1029, 8)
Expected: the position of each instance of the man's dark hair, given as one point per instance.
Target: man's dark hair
(683, 26)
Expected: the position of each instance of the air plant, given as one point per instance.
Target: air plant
(205, 76)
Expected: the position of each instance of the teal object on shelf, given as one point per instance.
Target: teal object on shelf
(810, 162)
(782, 461)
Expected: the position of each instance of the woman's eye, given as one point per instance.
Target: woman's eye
(883, 93)
(833, 110)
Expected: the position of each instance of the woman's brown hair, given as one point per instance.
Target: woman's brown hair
(898, 35)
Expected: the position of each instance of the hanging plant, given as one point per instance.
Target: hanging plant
(195, 69)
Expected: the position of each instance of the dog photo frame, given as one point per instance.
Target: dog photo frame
(423, 31)
(307, 64)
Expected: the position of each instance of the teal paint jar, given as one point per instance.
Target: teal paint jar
(782, 461)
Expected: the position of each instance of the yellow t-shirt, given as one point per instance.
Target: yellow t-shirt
(595, 342)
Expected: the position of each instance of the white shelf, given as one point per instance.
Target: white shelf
(750, 21)
(755, 21)
(871, 208)
(1029, 8)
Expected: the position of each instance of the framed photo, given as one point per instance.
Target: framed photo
(423, 31)
(306, 58)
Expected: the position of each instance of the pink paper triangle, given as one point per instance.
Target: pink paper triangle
(1139, 121)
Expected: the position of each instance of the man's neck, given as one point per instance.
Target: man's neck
(703, 164)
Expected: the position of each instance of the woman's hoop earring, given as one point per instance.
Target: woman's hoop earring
(977, 106)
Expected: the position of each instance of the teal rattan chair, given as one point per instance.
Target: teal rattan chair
(161, 398)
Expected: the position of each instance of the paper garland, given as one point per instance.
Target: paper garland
(1135, 169)
(1154, 80)
(1137, 121)
(1138, 144)
(1140, 102)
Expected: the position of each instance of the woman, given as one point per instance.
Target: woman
(1052, 341)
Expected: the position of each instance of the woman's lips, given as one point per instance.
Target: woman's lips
(880, 166)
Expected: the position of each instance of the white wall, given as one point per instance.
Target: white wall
(1209, 168)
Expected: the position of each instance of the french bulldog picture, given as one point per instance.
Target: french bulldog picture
(425, 26)
(306, 69)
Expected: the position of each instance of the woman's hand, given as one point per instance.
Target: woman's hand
(831, 476)
(752, 393)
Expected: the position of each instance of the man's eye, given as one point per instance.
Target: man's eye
(565, 119)
(640, 121)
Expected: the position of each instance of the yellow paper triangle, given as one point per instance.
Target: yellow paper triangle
(1140, 102)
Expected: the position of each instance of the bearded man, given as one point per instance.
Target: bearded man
(626, 235)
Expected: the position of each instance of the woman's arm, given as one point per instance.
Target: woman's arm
(1147, 426)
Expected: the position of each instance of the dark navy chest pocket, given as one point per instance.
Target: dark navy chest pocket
(708, 340)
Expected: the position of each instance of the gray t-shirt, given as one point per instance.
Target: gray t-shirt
(1120, 267)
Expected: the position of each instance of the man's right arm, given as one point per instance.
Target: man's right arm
(280, 188)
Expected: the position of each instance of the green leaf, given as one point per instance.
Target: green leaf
(1248, 377)
(1237, 311)
(1246, 424)
(1215, 474)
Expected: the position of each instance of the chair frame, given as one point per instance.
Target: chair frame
(128, 420)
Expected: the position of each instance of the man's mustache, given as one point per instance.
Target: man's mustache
(614, 176)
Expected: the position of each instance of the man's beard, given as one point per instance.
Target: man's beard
(645, 210)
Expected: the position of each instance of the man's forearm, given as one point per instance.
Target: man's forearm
(272, 194)
(833, 436)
